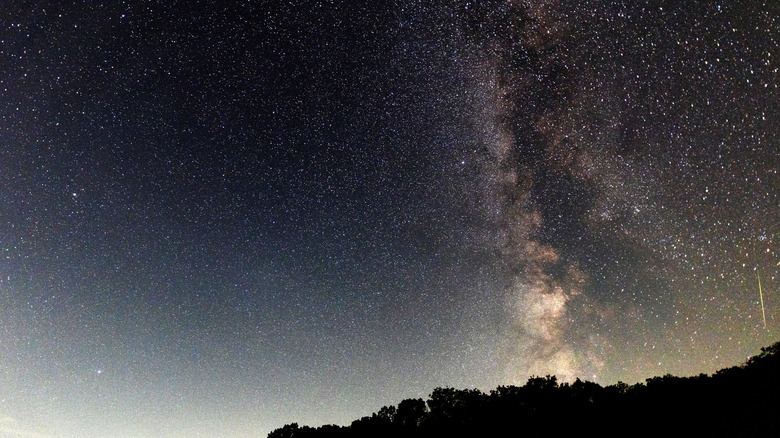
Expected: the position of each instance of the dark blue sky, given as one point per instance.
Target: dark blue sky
(222, 218)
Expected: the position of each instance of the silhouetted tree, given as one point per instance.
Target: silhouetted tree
(386, 414)
(455, 408)
(736, 401)
(410, 413)
(286, 431)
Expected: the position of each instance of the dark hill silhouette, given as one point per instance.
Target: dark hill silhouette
(741, 401)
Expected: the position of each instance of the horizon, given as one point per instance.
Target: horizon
(547, 377)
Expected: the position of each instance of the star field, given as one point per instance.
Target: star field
(221, 218)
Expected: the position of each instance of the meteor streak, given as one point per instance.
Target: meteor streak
(761, 295)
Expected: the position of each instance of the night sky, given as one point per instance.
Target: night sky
(221, 217)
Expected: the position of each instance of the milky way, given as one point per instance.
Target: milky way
(632, 179)
(219, 220)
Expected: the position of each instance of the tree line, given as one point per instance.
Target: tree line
(739, 401)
